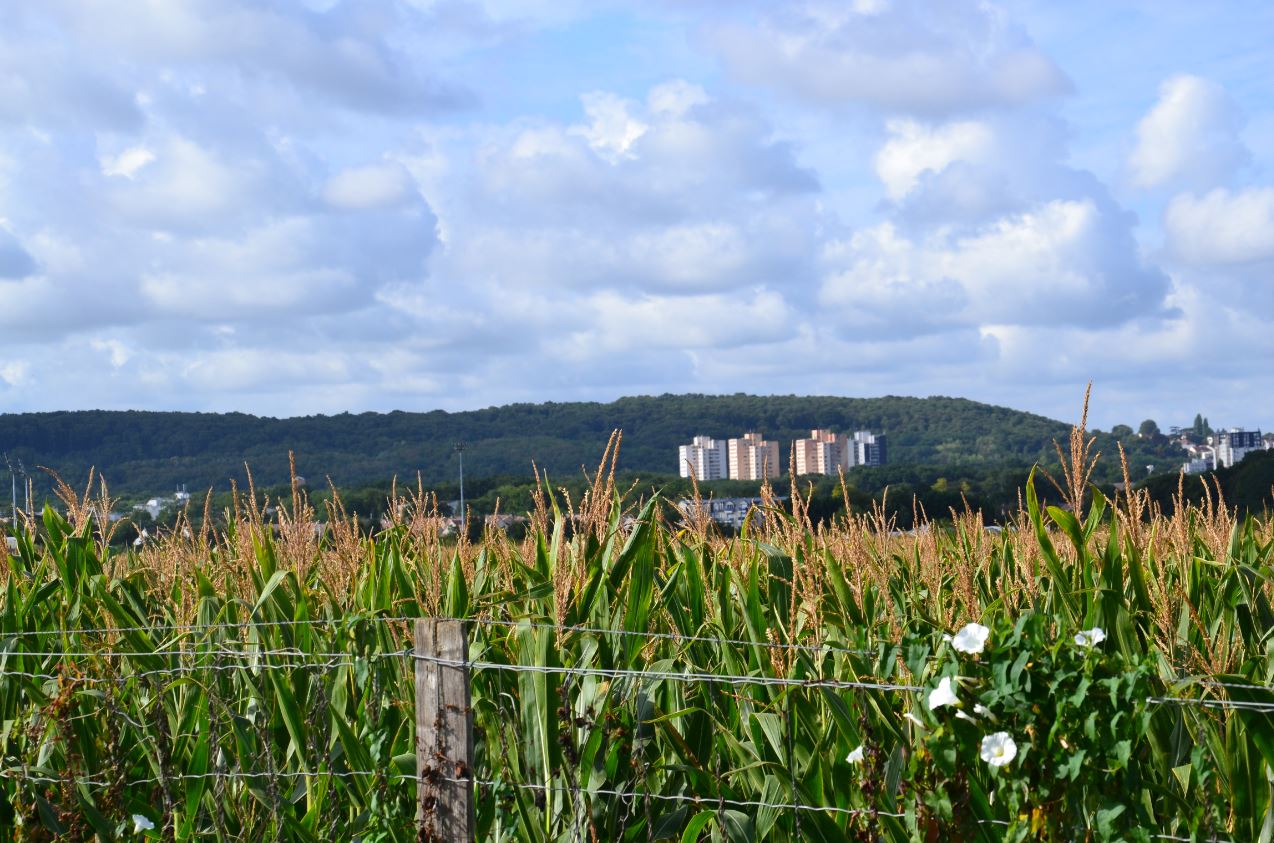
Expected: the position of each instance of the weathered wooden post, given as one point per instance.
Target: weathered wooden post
(444, 733)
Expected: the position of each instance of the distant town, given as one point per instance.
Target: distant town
(752, 457)
(1221, 449)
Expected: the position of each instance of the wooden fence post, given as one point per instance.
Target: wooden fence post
(444, 733)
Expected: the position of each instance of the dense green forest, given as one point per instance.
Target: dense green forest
(145, 453)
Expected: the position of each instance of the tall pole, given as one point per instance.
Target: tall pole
(13, 495)
(464, 518)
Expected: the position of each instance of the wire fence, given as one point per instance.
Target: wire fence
(262, 660)
(290, 658)
(192, 658)
(494, 785)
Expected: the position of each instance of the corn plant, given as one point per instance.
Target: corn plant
(635, 677)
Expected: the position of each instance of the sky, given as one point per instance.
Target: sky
(289, 207)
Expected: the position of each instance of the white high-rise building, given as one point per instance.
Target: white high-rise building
(752, 458)
(1235, 444)
(824, 452)
(705, 458)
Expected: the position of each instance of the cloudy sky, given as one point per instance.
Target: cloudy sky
(289, 207)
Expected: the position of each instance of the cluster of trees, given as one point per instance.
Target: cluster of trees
(1149, 429)
(147, 453)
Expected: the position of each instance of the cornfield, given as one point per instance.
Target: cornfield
(636, 677)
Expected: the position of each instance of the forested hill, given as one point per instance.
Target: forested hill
(152, 452)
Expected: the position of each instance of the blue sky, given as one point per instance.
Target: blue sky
(299, 207)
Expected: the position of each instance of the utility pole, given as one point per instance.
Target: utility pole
(13, 495)
(464, 518)
(26, 487)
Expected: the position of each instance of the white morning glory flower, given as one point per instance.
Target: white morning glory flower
(1089, 637)
(141, 823)
(971, 639)
(998, 749)
(855, 756)
(942, 695)
(914, 719)
(982, 711)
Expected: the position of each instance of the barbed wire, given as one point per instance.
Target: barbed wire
(249, 625)
(196, 627)
(1204, 702)
(674, 676)
(285, 652)
(171, 671)
(667, 636)
(695, 799)
(708, 800)
(295, 659)
(1220, 684)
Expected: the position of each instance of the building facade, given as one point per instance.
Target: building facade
(753, 458)
(730, 512)
(1233, 445)
(705, 458)
(824, 452)
(868, 448)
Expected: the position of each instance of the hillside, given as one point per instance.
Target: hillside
(148, 452)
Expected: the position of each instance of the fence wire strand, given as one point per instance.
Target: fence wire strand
(708, 801)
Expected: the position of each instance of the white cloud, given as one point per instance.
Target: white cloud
(351, 55)
(915, 148)
(126, 163)
(612, 130)
(676, 98)
(116, 351)
(251, 369)
(14, 372)
(1222, 227)
(1191, 136)
(15, 260)
(618, 323)
(905, 56)
(375, 186)
(223, 203)
(692, 254)
(187, 185)
(1062, 263)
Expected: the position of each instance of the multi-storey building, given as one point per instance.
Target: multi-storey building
(1233, 445)
(704, 458)
(824, 452)
(752, 458)
(867, 448)
(731, 512)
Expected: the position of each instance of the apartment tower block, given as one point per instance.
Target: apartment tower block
(824, 452)
(704, 458)
(752, 458)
